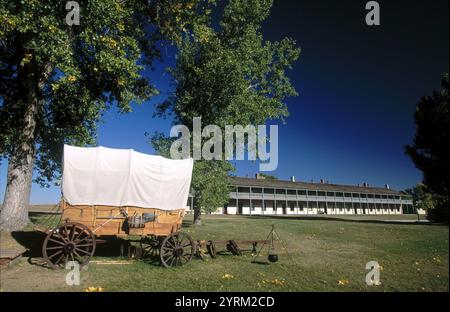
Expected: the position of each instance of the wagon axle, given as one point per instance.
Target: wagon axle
(232, 246)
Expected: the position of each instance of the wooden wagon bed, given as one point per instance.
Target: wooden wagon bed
(110, 220)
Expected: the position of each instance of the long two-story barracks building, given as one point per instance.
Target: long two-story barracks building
(260, 196)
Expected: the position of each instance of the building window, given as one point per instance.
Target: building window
(347, 195)
(312, 204)
(355, 195)
(320, 193)
(312, 193)
(291, 192)
(330, 194)
(281, 191)
(330, 205)
(291, 206)
(243, 189)
(339, 194)
(268, 191)
(302, 205)
(301, 192)
(256, 190)
(363, 195)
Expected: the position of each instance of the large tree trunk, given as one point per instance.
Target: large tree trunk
(14, 213)
(197, 212)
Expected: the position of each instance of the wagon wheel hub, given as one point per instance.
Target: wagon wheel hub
(178, 251)
(69, 247)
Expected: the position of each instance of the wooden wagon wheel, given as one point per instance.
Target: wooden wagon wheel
(211, 247)
(232, 247)
(150, 246)
(69, 242)
(177, 249)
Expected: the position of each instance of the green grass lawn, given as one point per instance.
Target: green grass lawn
(323, 255)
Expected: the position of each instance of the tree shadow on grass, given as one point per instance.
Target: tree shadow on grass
(331, 218)
(107, 247)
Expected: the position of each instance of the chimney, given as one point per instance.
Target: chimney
(387, 187)
(292, 178)
(322, 181)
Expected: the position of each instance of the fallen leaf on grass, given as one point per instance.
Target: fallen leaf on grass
(276, 282)
(343, 282)
(227, 276)
(94, 289)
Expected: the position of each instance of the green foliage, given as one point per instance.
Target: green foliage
(268, 176)
(210, 184)
(422, 198)
(78, 72)
(429, 150)
(229, 75)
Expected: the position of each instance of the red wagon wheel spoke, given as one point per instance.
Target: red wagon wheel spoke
(77, 254)
(56, 253)
(57, 242)
(52, 248)
(59, 259)
(150, 246)
(61, 237)
(78, 236)
(83, 251)
(87, 237)
(211, 247)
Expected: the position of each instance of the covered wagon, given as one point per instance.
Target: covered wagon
(120, 192)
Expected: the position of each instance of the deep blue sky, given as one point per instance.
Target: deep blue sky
(358, 89)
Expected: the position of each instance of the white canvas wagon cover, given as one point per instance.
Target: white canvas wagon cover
(119, 177)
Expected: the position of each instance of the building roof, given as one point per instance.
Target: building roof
(240, 181)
